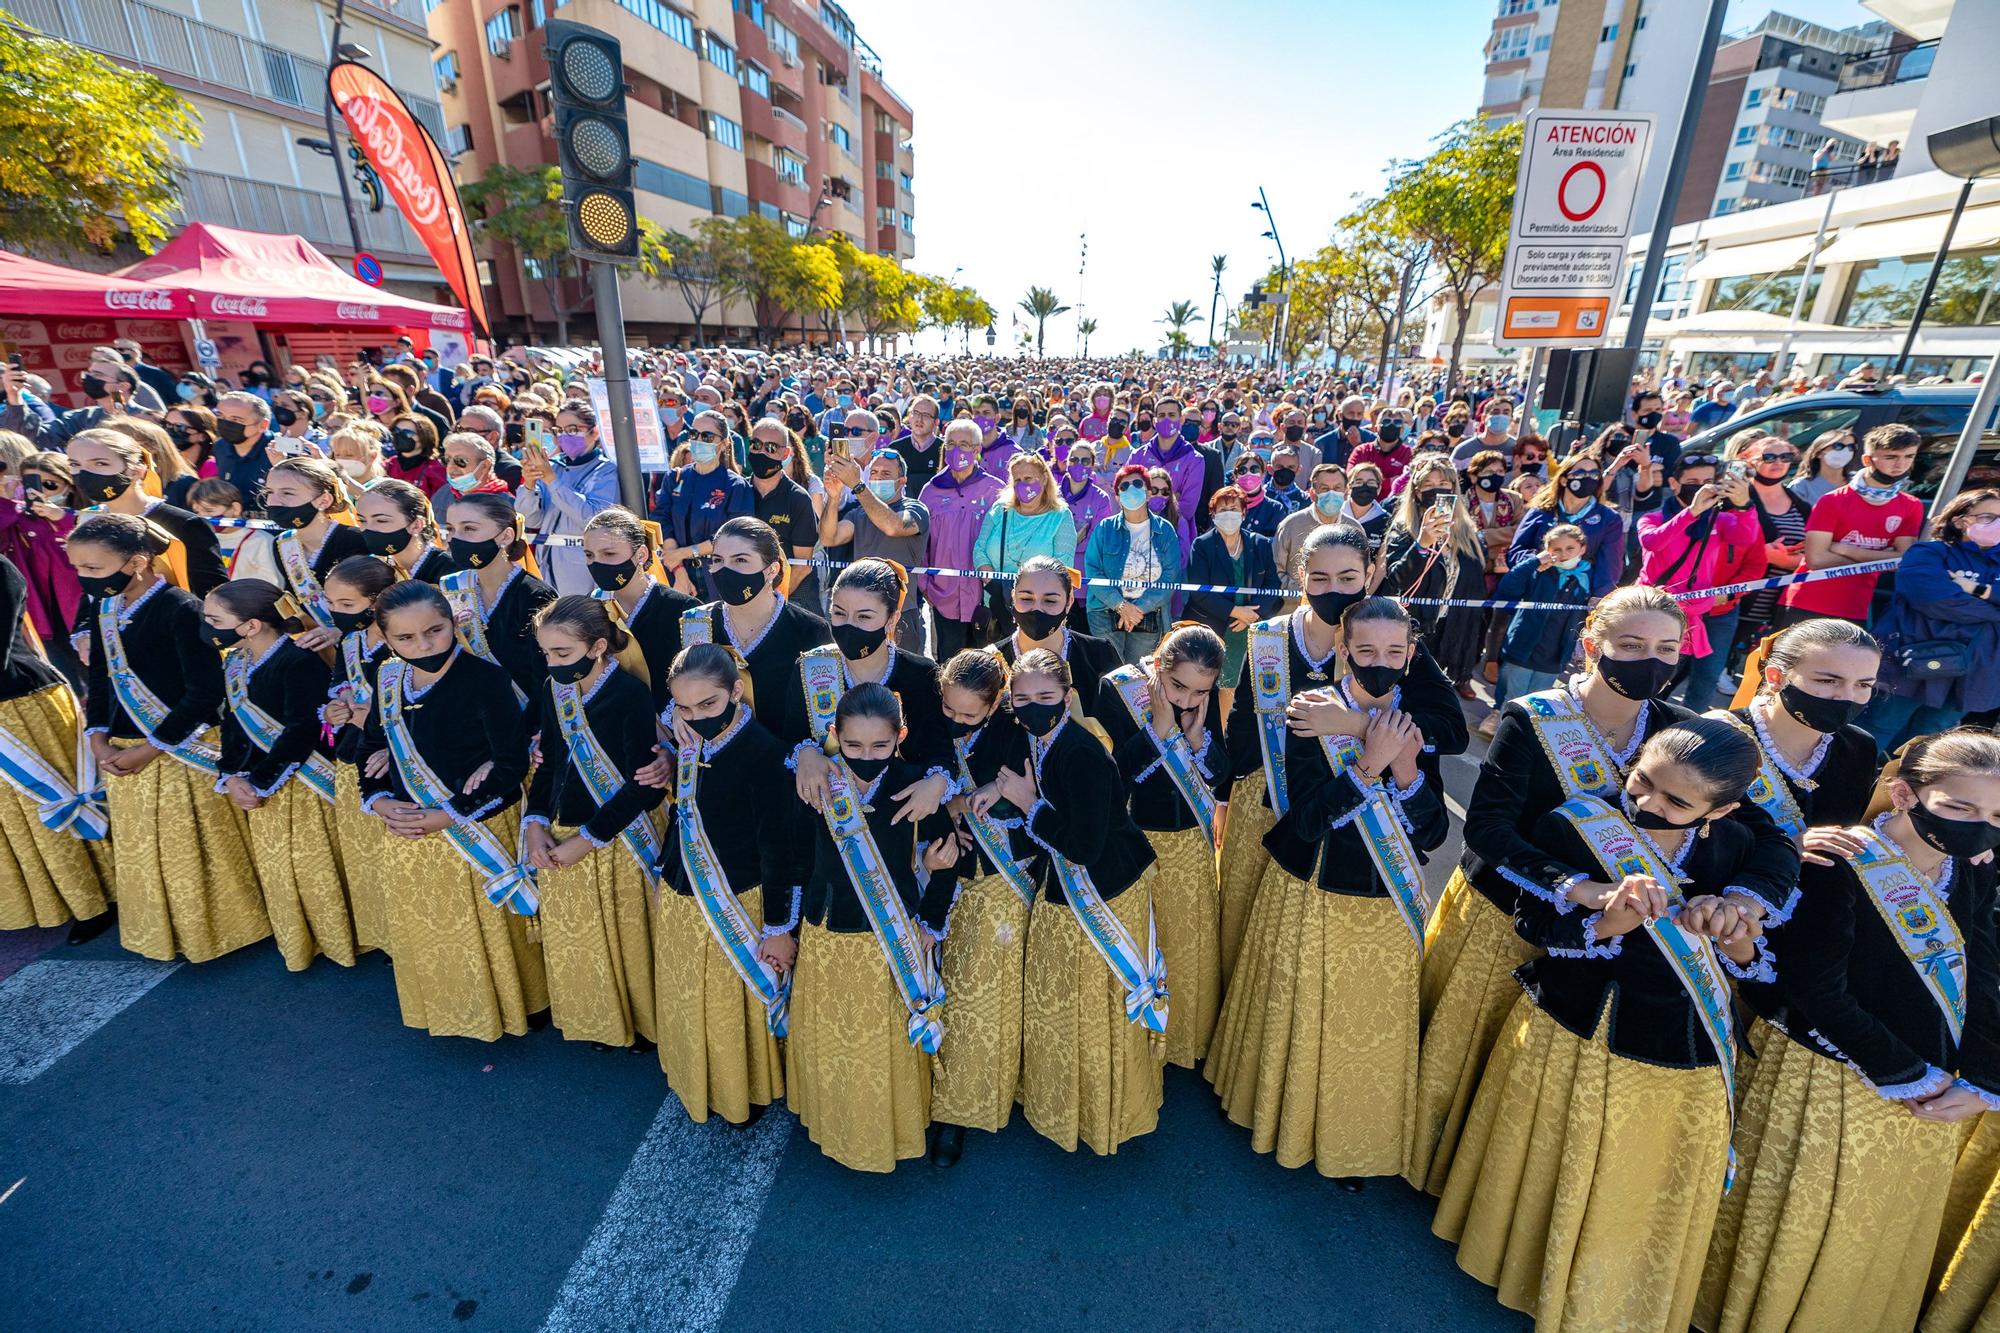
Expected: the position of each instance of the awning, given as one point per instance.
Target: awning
(32, 289)
(1739, 261)
(1977, 229)
(271, 279)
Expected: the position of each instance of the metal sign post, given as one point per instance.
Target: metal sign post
(618, 385)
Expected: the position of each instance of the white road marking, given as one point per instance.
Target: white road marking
(667, 1252)
(11, 1188)
(51, 1006)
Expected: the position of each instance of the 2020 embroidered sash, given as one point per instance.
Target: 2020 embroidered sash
(299, 573)
(461, 590)
(504, 880)
(1582, 762)
(1388, 842)
(145, 708)
(735, 934)
(601, 777)
(902, 949)
(1176, 755)
(264, 730)
(825, 680)
(992, 839)
(1769, 792)
(62, 807)
(1920, 921)
(697, 625)
(1270, 691)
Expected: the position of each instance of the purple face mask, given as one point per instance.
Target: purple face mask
(1168, 427)
(573, 444)
(985, 424)
(1157, 503)
(957, 459)
(1026, 491)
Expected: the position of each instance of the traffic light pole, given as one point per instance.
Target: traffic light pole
(618, 384)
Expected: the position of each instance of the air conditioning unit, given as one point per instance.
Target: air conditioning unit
(448, 86)
(503, 49)
(791, 59)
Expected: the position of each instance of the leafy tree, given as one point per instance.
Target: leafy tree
(1040, 305)
(697, 267)
(974, 312)
(1384, 268)
(1216, 264)
(86, 147)
(807, 280)
(522, 208)
(878, 292)
(1179, 315)
(1084, 328)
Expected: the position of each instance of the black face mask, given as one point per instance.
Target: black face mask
(1328, 605)
(387, 543)
(1039, 719)
(856, 643)
(94, 386)
(1038, 624)
(1283, 477)
(735, 587)
(1377, 680)
(763, 465)
(866, 769)
(1580, 486)
(474, 555)
(233, 431)
(284, 416)
(108, 585)
(1642, 818)
(291, 516)
(569, 673)
(1490, 483)
(430, 661)
(797, 421)
(708, 728)
(406, 442)
(349, 621)
(957, 730)
(1293, 434)
(612, 577)
(1953, 837)
(1635, 678)
(1116, 430)
(100, 488)
(221, 638)
(1648, 420)
(1360, 497)
(1688, 491)
(1190, 431)
(1824, 715)
(1455, 429)
(1389, 432)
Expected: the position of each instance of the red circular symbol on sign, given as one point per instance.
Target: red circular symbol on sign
(1562, 191)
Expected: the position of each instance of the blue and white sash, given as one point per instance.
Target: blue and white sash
(1582, 762)
(895, 931)
(298, 569)
(992, 839)
(1769, 791)
(354, 665)
(1177, 757)
(61, 806)
(601, 776)
(825, 680)
(1920, 921)
(505, 881)
(461, 590)
(1271, 691)
(145, 708)
(734, 933)
(264, 730)
(1388, 842)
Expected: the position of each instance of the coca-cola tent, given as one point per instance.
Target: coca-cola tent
(270, 279)
(31, 289)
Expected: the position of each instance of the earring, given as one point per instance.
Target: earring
(1704, 828)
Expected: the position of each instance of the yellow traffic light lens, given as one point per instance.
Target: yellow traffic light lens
(605, 220)
(590, 72)
(596, 147)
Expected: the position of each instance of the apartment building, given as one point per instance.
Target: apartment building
(771, 106)
(1933, 72)
(257, 74)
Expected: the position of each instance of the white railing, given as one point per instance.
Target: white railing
(783, 116)
(317, 215)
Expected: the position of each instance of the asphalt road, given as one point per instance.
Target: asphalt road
(232, 1146)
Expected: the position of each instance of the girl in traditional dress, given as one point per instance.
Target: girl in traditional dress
(1163, 718)
(443, 761)
(768, 632)
(301, 496)
(1043, 599)
(181, 861)
(494, 600)
(984, 953)
(365, 842)
(866, 1001)
(1095, 1011)
(722, 985)
(1587, 1178)
(55, 862)
(1316, 1050)
(277, 769)
(111, 472)
(395, 520)
(1883, 1034)
(591, 829)
(618, 551)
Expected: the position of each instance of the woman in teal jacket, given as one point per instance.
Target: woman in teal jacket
(1131, 618)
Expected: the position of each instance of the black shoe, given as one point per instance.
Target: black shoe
(1350, 1184)
(83, 932)
(949, 1147)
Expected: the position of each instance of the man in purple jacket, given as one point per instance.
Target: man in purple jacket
(1171, 449)
(957, 499)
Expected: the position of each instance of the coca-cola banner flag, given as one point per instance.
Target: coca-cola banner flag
(411, 166)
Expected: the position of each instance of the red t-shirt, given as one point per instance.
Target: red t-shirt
(1846, 517)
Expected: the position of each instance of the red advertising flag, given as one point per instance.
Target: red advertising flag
(413, 169)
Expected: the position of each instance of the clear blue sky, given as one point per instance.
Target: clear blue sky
(1150, 124)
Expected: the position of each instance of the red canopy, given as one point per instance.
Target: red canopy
(254, 275)
(31, 289)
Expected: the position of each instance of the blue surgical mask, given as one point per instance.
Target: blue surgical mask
(847, 400)
(1328, 503)
(187, 393)
(701, 451)
(885, 491)
(1132, 497)
(462, 482)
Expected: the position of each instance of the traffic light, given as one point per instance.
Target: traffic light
(587, 95)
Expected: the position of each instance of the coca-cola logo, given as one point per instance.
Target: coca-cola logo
(23, 331)
(398, 160)
(150, 298)
(250, 307)
(369, 313)
(151, 331)
(449, 319)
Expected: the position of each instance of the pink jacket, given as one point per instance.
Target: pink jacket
(1733, 552)
(35, 545)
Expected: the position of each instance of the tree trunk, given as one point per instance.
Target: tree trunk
(552, 288)
(1462, 303)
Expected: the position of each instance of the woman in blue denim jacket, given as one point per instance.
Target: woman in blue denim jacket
(1131, 618)
(1947, 589)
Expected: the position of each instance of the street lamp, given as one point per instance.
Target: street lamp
(1283, 323)
(343, 51)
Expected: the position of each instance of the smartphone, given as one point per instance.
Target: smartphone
(1441, 505)
(288, 446)
(535, 435)
(1736, 470)
(15, 361)
(836, 440)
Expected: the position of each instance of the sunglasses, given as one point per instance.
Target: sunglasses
(1065, 441)
(708, 437)
(40, 483)
(1162, 494)
(1700, 460)
(1779, 458)
(768, 446)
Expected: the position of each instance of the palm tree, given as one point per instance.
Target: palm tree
(1216, 264)
(1040, 305)
(1084, 328)
(1179, 315)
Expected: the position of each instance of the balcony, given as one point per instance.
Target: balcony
(231, 201)
(1922, 19)
(186, 51)
(1876, 93)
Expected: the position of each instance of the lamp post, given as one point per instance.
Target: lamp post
(1283, 322)
(812, 225)
(343, 51)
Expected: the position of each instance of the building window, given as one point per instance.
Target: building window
(1884, 293)
(1745, 133)
(670, 184)
(1755, 97)
(904, 181)
(885, 216)
(755, 79)
(909, 224)
(1510, 7)
(502, 29)
(538, 13)
(750, 9)
(1511, 43)
(1766, 293)
(782, 40)
(1727, 205)
(668, 20)
(837, 23)
(430, 6)
(718, 53)
(883, 171)
(1609, 33)
(789, 168)
(1733, 172)
(795, 226)
(458, 140)
(446, 66)
(839, 135)
(1544, 42)
(725, 131)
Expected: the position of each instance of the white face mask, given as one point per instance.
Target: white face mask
(353, 467)
(1228, 522)
(1838, 457)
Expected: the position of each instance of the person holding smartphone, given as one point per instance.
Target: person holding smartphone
(1434, 550)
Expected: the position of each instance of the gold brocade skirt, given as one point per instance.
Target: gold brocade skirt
(1242, 863)
(851, 1076)
(181, 852)
(1088, 1074)
(1316, 1051)
(716, 1046)
(1834, 1216)
(1187, 911)
(1465, 994)
(983, 961)
(1585, 1186)
(464, 967)
(46, 877)
(292, 835)
(365, 848)
(597, 945)
(1965, 1272)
